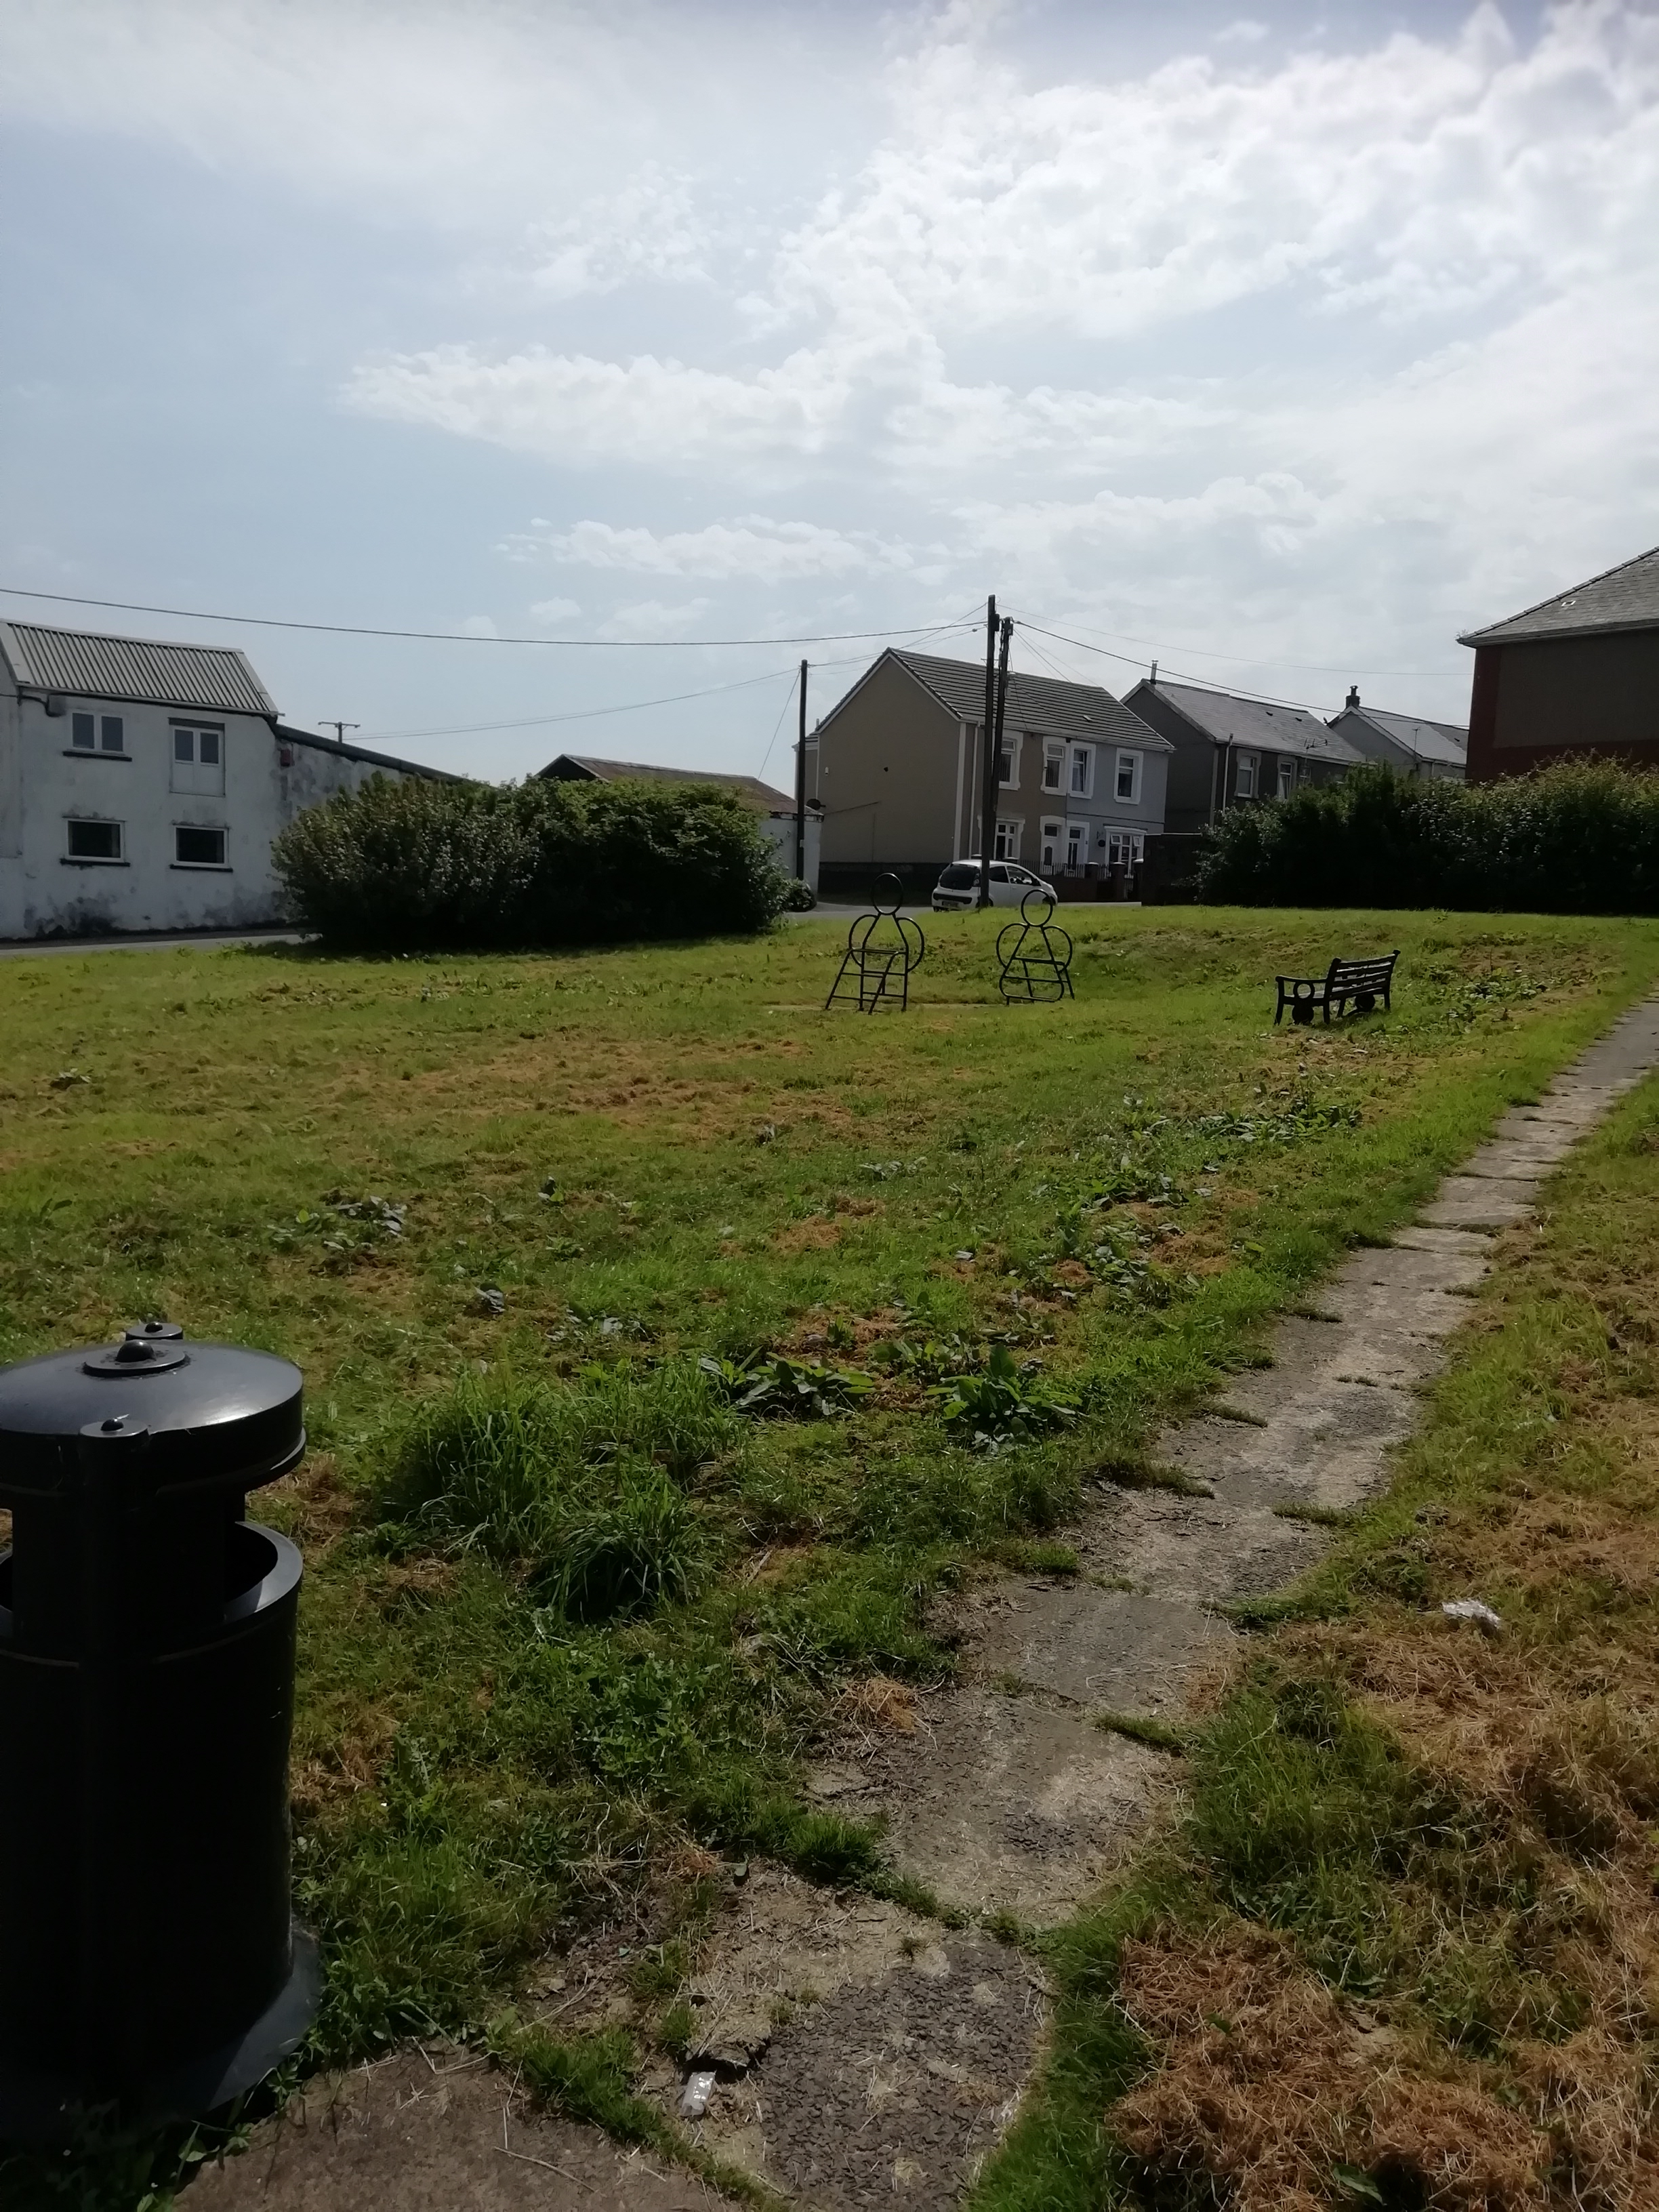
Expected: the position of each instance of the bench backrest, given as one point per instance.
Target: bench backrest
(1361, 975)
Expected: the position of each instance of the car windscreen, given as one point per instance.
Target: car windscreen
(958, 878)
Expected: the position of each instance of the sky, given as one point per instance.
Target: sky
(1279, 343)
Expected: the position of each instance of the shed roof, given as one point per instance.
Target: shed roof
(763, 798)
(342, 750)
(1445, 742)
(144, 670)
(1225, 718)
(1045, 704)
(1624, 597)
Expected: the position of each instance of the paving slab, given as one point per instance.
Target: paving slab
(433, 2128)
(1469, 1201)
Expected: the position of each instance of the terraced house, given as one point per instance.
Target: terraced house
(142, 783)
(898, 768)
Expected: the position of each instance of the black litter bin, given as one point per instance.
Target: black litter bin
(150, 1965)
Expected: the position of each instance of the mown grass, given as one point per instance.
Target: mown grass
(1452, 1834)
(568, 1603)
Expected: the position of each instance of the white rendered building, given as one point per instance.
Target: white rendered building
(142, 783)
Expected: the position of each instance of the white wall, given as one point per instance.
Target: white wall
(778, 830)
(44, 781)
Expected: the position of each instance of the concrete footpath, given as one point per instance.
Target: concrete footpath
(865, 2054)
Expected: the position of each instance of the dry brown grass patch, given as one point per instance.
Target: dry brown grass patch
(877, 1702)
(1266, 2086)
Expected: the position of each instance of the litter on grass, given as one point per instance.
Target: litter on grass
(694, 2098)
(1471, 1608)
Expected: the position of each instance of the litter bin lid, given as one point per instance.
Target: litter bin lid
(215, 1413)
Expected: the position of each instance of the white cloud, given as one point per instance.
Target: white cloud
(554, 610)
(653, 619)
(479, 626)
(752, 547)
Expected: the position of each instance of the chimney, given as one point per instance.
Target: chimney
(1354, 698)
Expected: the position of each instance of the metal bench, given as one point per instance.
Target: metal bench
(1356, 983)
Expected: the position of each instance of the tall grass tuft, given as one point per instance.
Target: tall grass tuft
(583, 1484)
(471, 867)
(1582, 837)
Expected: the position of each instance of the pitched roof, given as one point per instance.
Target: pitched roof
(341, 751)
(1624, 597)
(143, 670)
(1226, 718)
(1445, 742)
(764, 798)
(1044, 704)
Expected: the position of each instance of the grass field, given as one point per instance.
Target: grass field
(670, 1342)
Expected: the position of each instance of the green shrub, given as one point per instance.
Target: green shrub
(472, 866)
(1582, 837)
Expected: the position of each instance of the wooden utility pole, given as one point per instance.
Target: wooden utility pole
(1002, 686)
(987, 794)
(800, 785)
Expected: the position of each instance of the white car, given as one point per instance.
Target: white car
(959, 885)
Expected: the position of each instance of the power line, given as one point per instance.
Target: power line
(1182, 675)
(455, 636)
(1350, 669)
(575, 714)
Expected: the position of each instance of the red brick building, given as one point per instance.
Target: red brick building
(1575, 677)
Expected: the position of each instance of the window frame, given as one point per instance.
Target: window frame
(1008, 758)
(1083, 755)
(1134, 759)
(98, 730)
(1246, 764)
(1006, 842)
(71, 859)
(1286, 775)
(222, 867)
(1053, 757)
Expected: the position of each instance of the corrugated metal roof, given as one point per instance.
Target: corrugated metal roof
(1225, 717)
(1042, 703)
(142, 669)
(762, 797)
(1446, 742)
(1624, 597)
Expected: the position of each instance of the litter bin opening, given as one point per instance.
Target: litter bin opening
(250, 1555)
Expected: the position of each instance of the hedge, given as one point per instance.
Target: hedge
(460, 866)
(1579, 838)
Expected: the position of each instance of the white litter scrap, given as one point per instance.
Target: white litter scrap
(694, 2098)
(1471, 1608)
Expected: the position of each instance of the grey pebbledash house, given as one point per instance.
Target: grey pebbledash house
(142, 782)
(897, 766)
(1228, 749)
(1410, 743)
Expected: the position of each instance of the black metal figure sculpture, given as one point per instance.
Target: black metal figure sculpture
(883, 946)
(1037, 964)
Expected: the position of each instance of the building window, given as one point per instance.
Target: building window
(94, 841)
(1008, 764)
(194, 848)
(1125, 849)
(1083, 772)
(1007, 847)
(1054, 838)
(1053, 766)
(87, 730)
(1244, 776)
(1286, 775)
(1077, 844)
(1128, 779)
(198, 758)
